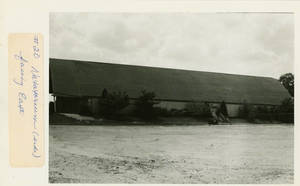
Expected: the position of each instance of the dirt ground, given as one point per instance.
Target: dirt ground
(171, 154)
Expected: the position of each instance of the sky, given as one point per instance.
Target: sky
(259, 44)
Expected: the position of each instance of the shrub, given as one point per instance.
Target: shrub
(112, 103)
(144, 105)
(196, 109)
(263, 113)
(283, 113)
(244, 110)
(162, 112)
(84, 108)
(287, 105)
(286, 110)
(177, 112)
(253, 113)
(247, 111)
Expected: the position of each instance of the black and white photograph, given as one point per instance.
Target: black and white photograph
(171, 97)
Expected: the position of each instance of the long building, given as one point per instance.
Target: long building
(76, 83)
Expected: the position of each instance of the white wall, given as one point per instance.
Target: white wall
(233, 109)
(171, 105)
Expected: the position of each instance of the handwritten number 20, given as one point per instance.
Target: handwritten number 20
(36, 50)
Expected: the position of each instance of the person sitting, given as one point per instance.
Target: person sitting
(213, 111)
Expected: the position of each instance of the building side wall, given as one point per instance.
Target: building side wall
(233, 109)
(67, 105)
(82, 105)
(171, 105)
(93, 104)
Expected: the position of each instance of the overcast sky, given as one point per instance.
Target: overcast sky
(260, 44)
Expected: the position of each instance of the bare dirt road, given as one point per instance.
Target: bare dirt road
(171, 154)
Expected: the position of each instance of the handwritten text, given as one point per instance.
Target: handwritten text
(22, 62)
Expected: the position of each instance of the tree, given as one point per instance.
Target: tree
(145, 105)
(287, 80)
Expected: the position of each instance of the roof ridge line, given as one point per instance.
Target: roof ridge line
(165, 68)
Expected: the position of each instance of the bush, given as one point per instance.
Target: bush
(287, 105)
(253, 113)
(286, 110)
(244, 110)
(283, 113)
(84, 108)
(144, 105)
(248, 111)
(196, 109)
(112, 103)
(162, 112)
(264, 113)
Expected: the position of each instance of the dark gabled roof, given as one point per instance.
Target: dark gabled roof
(81, 78)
